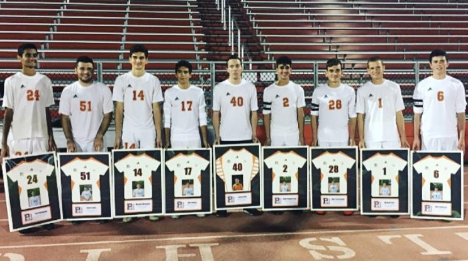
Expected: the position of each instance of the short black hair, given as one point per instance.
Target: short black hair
(334, 62)
(438, 52)
(374, 59)
(233, 57)
(139, 48)
(283, 60)
(84, 59)
(25, 46)
(183, 63)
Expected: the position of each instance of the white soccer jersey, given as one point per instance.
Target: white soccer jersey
(285, 164)
(28, 96)
(282, 103)
(187, 167)
(31, 175)
(85, 172)
(436, 170)
(235, 103)
(384, 167)
(184, 112)
(333, 165)
(137, 168)
(334, 106)
(87, 195)
(86, 107)
(235, 163)
(380, 103)
(439, 101)
(138, 95)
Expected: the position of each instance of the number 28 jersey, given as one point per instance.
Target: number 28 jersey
(333, 165)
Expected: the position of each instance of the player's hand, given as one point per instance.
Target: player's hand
(117, 143)
(5, 153)
(314, 142)
(167, 144)
(206, 144)
(268, 142)
(352, 142)
(301, 141)
(362, 144)
(71, 146)
(255, 139)
(217, 141)
(52, 146)
(404, 143)
(461, 144)
(416, 144)
(158, 143)
(98, 143)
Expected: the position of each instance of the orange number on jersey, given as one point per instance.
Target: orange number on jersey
(189, 106)
(239, 101)
(140, 95)
(332, 104)
(132, 146)
(285, 102)
(380, 103)
(32, 95)
(85, 105)
(440, 96)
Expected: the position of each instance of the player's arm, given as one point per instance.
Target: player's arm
(204, 133)
(216, 127)
(300, 121)
(352, 131)
(67, 130)
(314, 127)
(167, 109)
(52, 146)
(99, 140)
(461, 127)
(7, 119)
(360, 120)
(118, 124)
(400, 121)
(267, 125)
(416, 125)
(157, 124)
(167, 137)
(254, 122)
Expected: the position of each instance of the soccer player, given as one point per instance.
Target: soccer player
(284, 187)
(441, 100)
(184, 111)
(85, 105)
(138, 192)
(384, 190)
(27, 98)
(284, 101)
(334, 104)
(235, 100)
(333, 188)
(237, 185)
(139, 125)
(34, 200)
(436, 194)
(381, 102)
(86, 194)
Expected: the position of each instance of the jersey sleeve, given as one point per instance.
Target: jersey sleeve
(154, 164)
(216, 98)
(348, 161)
(8, 96)
(300, 97)
(417, 100)
(204, 163)
(368, 163)
(13, 173)
(360, 101)
(119, 90)
(157, 92)
(202, 118)
(219, 167)
(253, 98)
(255, 166)
(171, 164)
(68, 168)
(301, 161)
(453, 167)
(319, 161)
(315, 103)
(419, 166)
(267, 101)
(49, 169)
(352, 103)
(167, 109)
(460, 103)
(48, 92)
(399, 105)
(108, 105)
(401, 163)
(64, 106)
(269, 161)
(120, 165)
(100, 167)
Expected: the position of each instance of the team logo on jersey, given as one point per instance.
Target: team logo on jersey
(176, 98)
(370, 95)
(22, 86)
(326, 96)
(76, 96)
(129, 86)
(277, 96)
(228, 94)
(430, 89)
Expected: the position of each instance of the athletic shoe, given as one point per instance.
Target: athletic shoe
(277, 212)
(49, 226)
(320, 212)
(153, 218)
(28, 230)
(348, 213)
(395, 216)
(253, 212)
(201, 215)
(175, 216)
(127, 219)
(221, 213)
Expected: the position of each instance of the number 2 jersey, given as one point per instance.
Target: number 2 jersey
(333, 165)
(185, 168)
(436, 170)
(31, 175)
(384, 167)
(85, 172)
(235, 163)
(285, 164)
(137, 168)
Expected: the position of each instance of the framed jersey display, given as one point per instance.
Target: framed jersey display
(334, 179)
(285, 178)
(138, 183)
(31, 190)
(385, 182)
(85, 180)
(437, 185)
(237, 179)
(188, 181)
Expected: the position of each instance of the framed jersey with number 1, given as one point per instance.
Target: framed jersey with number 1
(138, 182)
(31, 190)
(85, 180)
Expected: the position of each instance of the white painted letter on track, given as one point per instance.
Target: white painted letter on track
(94, 254)
(13, 257)
(317, 251)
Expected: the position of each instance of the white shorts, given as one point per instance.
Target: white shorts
(285, 140)
(332, 144)
(144, 139)
(185, 144)
(29, 146)
(384, 145)
(440, 144)
(88, 146)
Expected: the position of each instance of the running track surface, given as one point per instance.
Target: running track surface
(287, 237)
